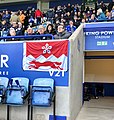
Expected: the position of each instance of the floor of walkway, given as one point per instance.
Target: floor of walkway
(97, 109)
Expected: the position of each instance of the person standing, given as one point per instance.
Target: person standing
(38, 16)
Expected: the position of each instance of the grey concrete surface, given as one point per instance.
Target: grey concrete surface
(97, 109)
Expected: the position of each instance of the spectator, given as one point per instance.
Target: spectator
(50, 29)
(76, 21)
(68, 17)
(12, 32)
(59, 11)
(42, 32)
(61, 33)
(111, 4)
(69, 8)
(4, 26)
(92, 18)
(38, 16)
(26, 20)
(112, 12)
(31, 20)
(70, 28)
(14, 25)
(109, 15)
(14, 17)
(20, 29)
(22, 17)
(100, 15)
(50, 15)
(29, 31)
(6, 16)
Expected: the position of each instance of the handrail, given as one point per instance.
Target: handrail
(105, 20)
(28, 36)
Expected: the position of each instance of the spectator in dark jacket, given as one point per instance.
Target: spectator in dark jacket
(61, 33)
(50, 29)
(50, 15)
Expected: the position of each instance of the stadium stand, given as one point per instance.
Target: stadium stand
(29, 20)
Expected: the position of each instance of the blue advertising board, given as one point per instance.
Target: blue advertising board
(11, 65)
(99, 37)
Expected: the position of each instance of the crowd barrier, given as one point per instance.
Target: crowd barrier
(26, 37)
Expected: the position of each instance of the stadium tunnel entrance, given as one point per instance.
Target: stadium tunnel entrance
(99, 75)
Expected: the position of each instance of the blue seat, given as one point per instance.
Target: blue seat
(42, 92)
(3, 85)
(17, 90)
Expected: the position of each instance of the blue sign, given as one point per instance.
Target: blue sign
(11, 65)
(99, 36)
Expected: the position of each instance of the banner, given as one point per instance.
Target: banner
(45, 56)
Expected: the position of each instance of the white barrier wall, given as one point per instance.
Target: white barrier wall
(76, 72)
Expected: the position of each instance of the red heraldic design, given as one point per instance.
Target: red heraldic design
(45, 56)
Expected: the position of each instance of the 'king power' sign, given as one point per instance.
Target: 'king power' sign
(99, 36)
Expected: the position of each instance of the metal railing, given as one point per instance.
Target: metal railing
(26, 37)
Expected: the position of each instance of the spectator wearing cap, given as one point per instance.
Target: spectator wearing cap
(61, 32)
(70, 28)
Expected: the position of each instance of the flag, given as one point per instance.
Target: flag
(45, 56)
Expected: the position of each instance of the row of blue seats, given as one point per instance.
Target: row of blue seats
(16, 91)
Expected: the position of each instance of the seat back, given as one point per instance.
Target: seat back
(22, 81)
(42, 92)
(3, 85)
(4, 81)
(44, 82)
(17, 91)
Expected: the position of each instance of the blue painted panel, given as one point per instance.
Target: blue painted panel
(102, 24)
(51, 117)
(109, 89)
(12, 55)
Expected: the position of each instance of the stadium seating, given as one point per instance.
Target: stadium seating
(17, 91)
(3, 85)
(42, 92)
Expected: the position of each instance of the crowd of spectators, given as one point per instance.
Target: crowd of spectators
(60, 21)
